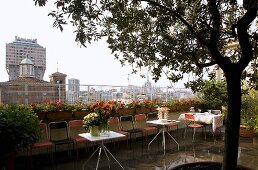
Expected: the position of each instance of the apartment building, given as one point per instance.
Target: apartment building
(20, 49)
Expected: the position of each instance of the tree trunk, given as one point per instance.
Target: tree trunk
(232, 119)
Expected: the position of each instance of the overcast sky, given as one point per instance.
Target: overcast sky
(92, 65)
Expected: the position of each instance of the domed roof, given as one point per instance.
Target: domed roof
(26, 61)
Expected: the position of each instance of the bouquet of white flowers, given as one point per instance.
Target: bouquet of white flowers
(90, 120)
(163, 112)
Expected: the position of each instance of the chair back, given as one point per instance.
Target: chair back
(152, 116)
(58, 130)
(44, 136)
(140, 121)
(126, 122)
(75, 127)
(113, 123)
(189, 117)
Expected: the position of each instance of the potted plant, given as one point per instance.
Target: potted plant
(249, 112)
(19, 127)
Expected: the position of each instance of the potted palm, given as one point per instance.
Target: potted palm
(19, 127)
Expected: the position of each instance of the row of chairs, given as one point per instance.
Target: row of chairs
(61, 132)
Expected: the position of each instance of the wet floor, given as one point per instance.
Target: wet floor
(138, 157)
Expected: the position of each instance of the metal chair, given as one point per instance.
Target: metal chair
(127, 125)
(152, 116)
(190, 122)
(140, 123)
(114, 125)
(58, 132)
(43, 142)
(75, 128)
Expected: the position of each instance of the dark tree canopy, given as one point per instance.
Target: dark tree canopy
(176, 37)
(173, 36)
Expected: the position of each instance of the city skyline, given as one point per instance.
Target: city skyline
(92, 65)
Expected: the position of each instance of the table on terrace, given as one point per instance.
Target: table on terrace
(111, 135)
(162, 130)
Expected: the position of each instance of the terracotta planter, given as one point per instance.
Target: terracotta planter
(172, 108)
(183, 108)
(126, 111)
(245, 132)
(59, 116)
(42, 116)
(142, 110)
(153, 109)
(81, 114)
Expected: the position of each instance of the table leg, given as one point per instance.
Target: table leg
(163, 140)
(102, 146)
(174, 140)
(154, 138)
(98, 158)
(106, 149)
(106, 155)
(91, 156)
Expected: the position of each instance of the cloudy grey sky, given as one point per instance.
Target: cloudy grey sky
(92, 65)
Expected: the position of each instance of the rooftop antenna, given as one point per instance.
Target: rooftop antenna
(128, 78)
(57, 66)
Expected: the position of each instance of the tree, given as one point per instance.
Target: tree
(175, 37)
(213, 94)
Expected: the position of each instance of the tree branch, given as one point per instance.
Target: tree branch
(177, 15)
(243, 36)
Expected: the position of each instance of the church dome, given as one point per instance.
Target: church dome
(26, 61)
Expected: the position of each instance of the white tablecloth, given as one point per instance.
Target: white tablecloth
(208, 118)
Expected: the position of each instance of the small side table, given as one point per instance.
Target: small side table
(112, 135)
(163, 130)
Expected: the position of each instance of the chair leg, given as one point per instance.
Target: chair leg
(194, 129)
(185, 132)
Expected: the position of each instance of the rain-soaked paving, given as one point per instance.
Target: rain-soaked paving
(140, 158)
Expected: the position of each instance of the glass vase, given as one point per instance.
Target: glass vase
(95, 130)
(104, 129)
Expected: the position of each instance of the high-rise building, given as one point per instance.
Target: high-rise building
(73, 90)
(23, 48)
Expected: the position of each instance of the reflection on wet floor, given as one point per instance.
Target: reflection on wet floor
(140, 158)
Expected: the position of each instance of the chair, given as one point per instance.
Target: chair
(152, 116)
(43, 142)
(127, 125)
(190, 122)
(114, 125)
(168, 126)
(75, 127)
(140, 123)
(59, 134)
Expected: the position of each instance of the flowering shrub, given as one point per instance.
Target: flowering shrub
(91, 119)
(144, 103)
(134, 104)
(106, 109)
(52, 106)
(151, 103)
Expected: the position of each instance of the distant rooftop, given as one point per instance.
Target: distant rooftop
(26, 42)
